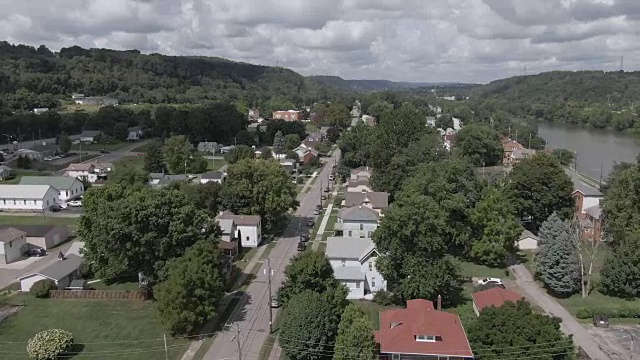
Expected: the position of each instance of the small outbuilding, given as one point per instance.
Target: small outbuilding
(13, 244)
(527, 241)
(62, 272)
(42, 236)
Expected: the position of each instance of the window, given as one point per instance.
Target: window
(350, 233)
(425, 338)
(370, 265)
(370, 232)
(358, 285)
(395, 357)
(361, 227)
(10, 243)
(373, 282)
(247, 238)
(344, 262)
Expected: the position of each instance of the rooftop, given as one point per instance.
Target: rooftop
(80, 167)
(581, 186)
(32, 230)
(496, 296)
(241, 220)
(90, 133)
(594, 211)
(358, 213)
(23, 191)
(10, 234)
(348, 273)
(58, 182)
(60, 269)
(526, 234)
(378, 200)
(348, 248)
(214, 175)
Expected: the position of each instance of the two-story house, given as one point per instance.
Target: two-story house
(134, 133)
(228, 242)
(354, 264)
(83, 171)
(246, 228)
(357, 221)
(361, 173)
(360, 185)
(69, 188)
(420, 331)
(13, 243)
(378, 201)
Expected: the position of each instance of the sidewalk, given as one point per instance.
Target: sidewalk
(195, 345)
(325, 220)
(308, 183)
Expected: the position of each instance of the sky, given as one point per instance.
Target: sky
(400, 40)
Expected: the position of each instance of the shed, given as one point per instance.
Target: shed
(527, 241)
(43, 236)
(62, 272)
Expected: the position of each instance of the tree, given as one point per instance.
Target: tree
(238, 153)
(121, 131)
(333, 134)
(355, 332)
(266, 154)
(197, 164)
(178, 153)
(338, 115)
(203, 196)
(496, 227)
(557, 260)
(41, 288)
(308, 329)
(324, 148)
(356, 145)
(153, 159)
(538, 187)
(292, 141)
(259, 187)
(587, 250)
(279, 144)
(480, 144)
(137, 230)
(620, 273)
(307, 271)
(379, 107)
(128, 175)
(245, 137)
(189, 296)
(64, 143)
(621, 201)
(516, 331)
(564, 156)
(48, 344)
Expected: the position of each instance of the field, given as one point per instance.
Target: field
(133, 161)
(128, 330)
(37, 220)
(218, 164)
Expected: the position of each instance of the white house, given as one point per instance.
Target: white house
(134, 133)
(457, 123)
(527, 241)
(214, 176)
(354, 264)
(69, 188)
(361, 185)
(62, 272)
(13, 243)
(378, 201)
(27, 197)
(39, 111)
(361, 173)
(85, 171)
(357, 222)
(89, 136)
(248, 228)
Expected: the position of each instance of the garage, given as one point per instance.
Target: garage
(42, 236)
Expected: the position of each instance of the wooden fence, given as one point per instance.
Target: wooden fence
(99, 294)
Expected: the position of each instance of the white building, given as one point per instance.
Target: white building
(89, 136)
(62, 272)
(360, 185)
(248, 228)
(134, 133)
(69, 188)
(457, 123)
(354, 264)
(13, 243)
(357, 222)
(84, 171)
(214, 176)
(527, 241)
(362, 172)
(27, 197)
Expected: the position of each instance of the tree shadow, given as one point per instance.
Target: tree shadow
(75, 350)
(121, 279)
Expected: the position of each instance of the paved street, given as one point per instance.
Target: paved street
(569, 324)
(251, 316)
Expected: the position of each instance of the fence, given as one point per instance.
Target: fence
(99, 294)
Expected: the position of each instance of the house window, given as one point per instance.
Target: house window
(350, 233)
(370, 232)
(373, 282)
(247, 238)
(358, 285)
(395, 357)
(10, 243)
(343, 262)
(426, 338)
(361, 227)
(370, 265)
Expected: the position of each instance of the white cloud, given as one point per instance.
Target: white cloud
(410, 40)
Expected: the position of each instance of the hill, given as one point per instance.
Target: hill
(339, 83)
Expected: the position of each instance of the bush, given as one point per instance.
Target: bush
(40, 289)
(49, 344)
(583, 313)
(85, 270)
(384, 298)
(612, 313)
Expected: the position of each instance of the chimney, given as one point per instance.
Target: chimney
(439, 308)
(60, 256)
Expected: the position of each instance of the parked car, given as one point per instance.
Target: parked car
(55, 207)
(103, 151)
(275, 303)
(38, 252)
(323, 197)
(600, 321)
(326, 189)
(310, 223)
(304, 238)
(489, 280)
(75, 203)
(331, 177)
(317, 211)
(302, 246)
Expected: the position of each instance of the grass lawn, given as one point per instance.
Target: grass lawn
(469, 270)
(142, 148)
(218, 164)
(130, 328)
(98, 147)
(134, 161)
(597, 300)
(372, 310)
(37, 220)
(464, 309)
(125, 284)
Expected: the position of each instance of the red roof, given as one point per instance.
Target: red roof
(494, 297)
(400, 327)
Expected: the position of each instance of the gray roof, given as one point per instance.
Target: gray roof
(10, 234)
(594, 211)
(361, 169)
(348, 248)
(60, 269)
(58, 182)
(135, 128)
(214, 175)
(581, 186)
(78, 283)
(33, 230)
(348, 273)
(586, 223)
(90, 133)
(226, 225)
(43, 147)
(23, 191)
(242, 220)
(156, 175)
(379, 200)
(358, 213)
(362, 180)
(526, 234)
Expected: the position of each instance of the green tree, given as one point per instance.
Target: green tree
(153, 159)
(189, 296)
(245, 137)
(324, 148)
(356, 145)
(121, 131)
(379, 107)
(279, 144)
(620, 273)
(48, 344)
(137, 230)
(309, 270)
(267, 154)
(564, 156)
(480, 144)
(308, 329)
(516, 331)
(202, 196)
(41, 288)
(178, 153)
(396, 131)
(260, 187)
(355, 332)
(238, 153)
(496, 227)
(292, 141)
(558, 265)
(64, 143)
(538, 187)
(333, 134)
(128, 175)
(338, 115)
(197, 163)
(621, 200)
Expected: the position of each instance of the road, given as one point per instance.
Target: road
(251, 316)
(114, 155)
(569, 325)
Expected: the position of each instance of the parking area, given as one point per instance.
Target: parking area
(22, 263)
(618, 340)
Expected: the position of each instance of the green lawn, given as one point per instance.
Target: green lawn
(134, 161)
(120, 285)
(130, 328)
(464, 308)
(469, 270)
(218, 164)
(372, 310)
(37, 220)
(98, 147)
(142, 148)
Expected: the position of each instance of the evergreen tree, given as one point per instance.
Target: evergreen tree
(558, 264)
(279, 143)
(355, 332)
(153, 159)
(620, 274)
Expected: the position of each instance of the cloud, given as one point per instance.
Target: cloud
(405, 40)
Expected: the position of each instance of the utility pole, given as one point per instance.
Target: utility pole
(633, 339)
(238, 341)
(529, 140)
(166, 352)
(81, 150)
(268, 271)
(320, 192)
(575, 161)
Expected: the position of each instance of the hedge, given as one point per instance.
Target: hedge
(626, 312)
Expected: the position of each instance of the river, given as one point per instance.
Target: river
(596, 148)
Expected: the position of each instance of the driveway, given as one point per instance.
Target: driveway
(618, 341)
(569, 325)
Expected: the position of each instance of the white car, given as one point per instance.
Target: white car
(489, 280)
(75, 203)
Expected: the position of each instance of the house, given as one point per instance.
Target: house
(495, 297)
(13, 244)
(208, 147)
(83, 171)
(62, 272)
(69, 188)
(431, 121)
(6, 173)
(288, 115)
(27, 197)
(168, 179)
(96, 101)
(42, 236)
(584, 194)
(457, 123)
(39, 111)
(135, 133)
(246, 228)
(254, 114)
(226, 149)
(89, 136)
(324, 131)
(354, 264)
(361, 172)
(77, 96)
(508, 147)
(369, 120)
(312, 140)
(290, 165)
(360, 185)
(213, 176)
(357, 221)
(518, 155)
(154, 178)
(39, 151)
(591, 223)
(420, 331)
(253, 127)
(102, 168)
(527, 241)
(228, 241)
(378, 201)
(305, 154)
